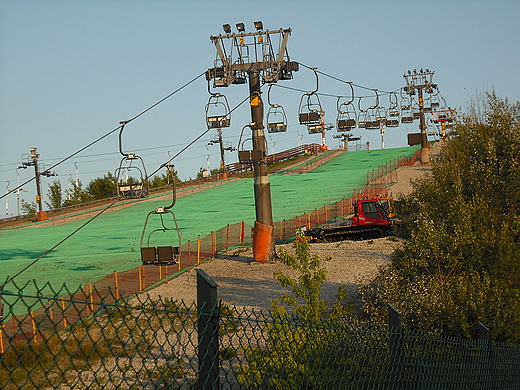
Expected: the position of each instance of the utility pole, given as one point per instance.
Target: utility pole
(250, 57)
(223, 148)
(421, 81)
(33, 161)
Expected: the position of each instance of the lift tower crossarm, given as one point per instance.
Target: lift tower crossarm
(251, 34)
(279, 66)
(220, 52)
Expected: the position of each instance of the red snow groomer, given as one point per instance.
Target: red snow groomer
(371, 219)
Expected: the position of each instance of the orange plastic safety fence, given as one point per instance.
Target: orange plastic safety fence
(55, 317)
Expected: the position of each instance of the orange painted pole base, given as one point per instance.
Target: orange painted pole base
(262, 239)
(41, 216)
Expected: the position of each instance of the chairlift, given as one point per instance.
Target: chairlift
(162, 252)
(362, 115)
(441, 116)
(381, 115)
(406, 108)
(218, 114)
(431, 100)
(392, 112)
(276, 118)
(315, 129)
(310, 111)
(435, 100)
(346, 119)
(250, 156)
(371, 121)
(128, 186)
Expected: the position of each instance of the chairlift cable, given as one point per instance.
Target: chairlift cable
(59, 243)
(321, 93)
(107, 134)
(192, 142)
(167, 97)
(343, 81)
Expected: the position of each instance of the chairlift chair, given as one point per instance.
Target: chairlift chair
(392, 112)
(127, 185)
(163, 252)
(371, 122)
(441, 116)
(310, 109)
(416, 110)
(249, 156)
(435, 100)
(381, 115)
(276, 118)
(362, 115)
(346, 119)
(406, 108)
(315, 129)
(218, 113)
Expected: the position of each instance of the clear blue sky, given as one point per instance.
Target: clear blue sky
(71, 70)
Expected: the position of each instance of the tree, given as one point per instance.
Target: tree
(307, 287)
(201, 173)
(460, 263)
(101, 187)
(28, 208)
(55, 195)
(164, 180)
(305, 346)
(76, 195)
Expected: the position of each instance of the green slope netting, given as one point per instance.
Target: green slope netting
(112, 241)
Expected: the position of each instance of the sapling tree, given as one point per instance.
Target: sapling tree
(306, 345)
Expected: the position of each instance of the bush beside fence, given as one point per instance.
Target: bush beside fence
(142, 343)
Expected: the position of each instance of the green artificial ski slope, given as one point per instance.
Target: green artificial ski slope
(112, 241)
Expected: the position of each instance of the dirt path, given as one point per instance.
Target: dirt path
(245, 283)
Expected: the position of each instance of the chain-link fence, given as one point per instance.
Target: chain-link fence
(62, 339)
(140, 343)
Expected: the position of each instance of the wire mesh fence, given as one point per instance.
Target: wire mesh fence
(140, 343)
(38, 330)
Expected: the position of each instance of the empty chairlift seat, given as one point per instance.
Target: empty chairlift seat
(164, 230)
(160, 255)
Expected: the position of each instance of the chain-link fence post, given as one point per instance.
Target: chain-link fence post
(395, 344)
(208, 320)
(486, 356)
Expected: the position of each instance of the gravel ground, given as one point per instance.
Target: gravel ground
(248, 284)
